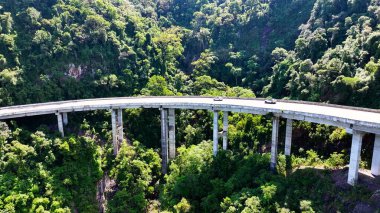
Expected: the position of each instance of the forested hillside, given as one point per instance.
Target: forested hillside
(56, 50)
(335, 58)
(300, 49)
(314, 50)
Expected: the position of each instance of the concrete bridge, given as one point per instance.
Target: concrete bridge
(357, 121)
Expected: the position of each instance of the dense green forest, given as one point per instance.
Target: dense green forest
(313, 50)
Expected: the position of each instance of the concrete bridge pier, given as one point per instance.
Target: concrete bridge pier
(225, 129)
(215, 133)
(120, 129)
(65, 118)
(164, 140)
(375, 166)
(288, 136)
(357, 138)
(274, 147)
(171, 119)
(117, 129)
(60, 123)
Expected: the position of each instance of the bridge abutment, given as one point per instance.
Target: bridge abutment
(356, 146)
(375, 166)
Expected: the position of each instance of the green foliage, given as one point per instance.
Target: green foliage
(319, 50)
(252, 204)
(312, 158)
(183, 206)
(68, 50)
(343, 55)
(59, 50)
(335, 160)
(136, 171)
(157, 86)
(231, 182)
(205, 63)
(43, 173)
(184, 173)
(81, 50)
(305, 206)
(170, 48)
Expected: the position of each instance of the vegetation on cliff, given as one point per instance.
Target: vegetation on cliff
(314, 50)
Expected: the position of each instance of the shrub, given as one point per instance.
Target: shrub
(335, 160)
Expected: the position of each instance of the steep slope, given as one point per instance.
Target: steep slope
(79, 49)
(240, 34)
(335, 58)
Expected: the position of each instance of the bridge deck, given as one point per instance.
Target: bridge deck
(353, 118)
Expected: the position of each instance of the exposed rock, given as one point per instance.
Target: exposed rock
(105, 186)
(375, 200)
(363, 208)
(339, 176)
(76, 72)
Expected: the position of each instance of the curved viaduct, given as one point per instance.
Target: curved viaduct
(356, 121)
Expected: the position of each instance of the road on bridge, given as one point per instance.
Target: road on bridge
(346, 117)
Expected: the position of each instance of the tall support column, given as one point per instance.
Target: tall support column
(215, 133)
(117, 129)
(356, 147)
(275, 129)
(65, 118)
(288, 136)
(375, 167)
(225, 129)
(171, 133)
(114, 132)
(164, 140)
(120, 128)
(60, 124)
